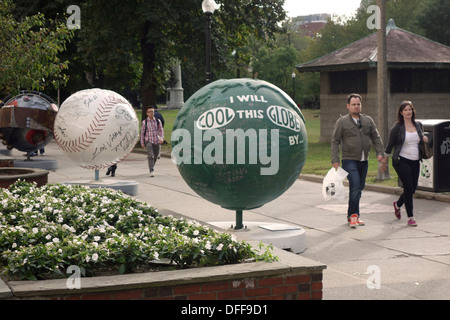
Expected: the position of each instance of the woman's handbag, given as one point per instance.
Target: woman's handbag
(426, 151)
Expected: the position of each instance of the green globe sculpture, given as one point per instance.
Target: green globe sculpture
(239, 143)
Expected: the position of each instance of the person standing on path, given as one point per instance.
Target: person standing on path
(355, 133)
(406, 138)
(152, 135)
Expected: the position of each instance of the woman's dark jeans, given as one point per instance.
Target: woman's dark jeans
(408, 172)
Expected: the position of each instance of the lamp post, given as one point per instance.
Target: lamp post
(208, 7)
(293, 85)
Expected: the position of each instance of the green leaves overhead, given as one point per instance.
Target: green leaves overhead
(29, 51)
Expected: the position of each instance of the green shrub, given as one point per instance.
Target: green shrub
(45, 230)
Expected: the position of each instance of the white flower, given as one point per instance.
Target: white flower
(96, 238)
(14, 245)
(219, 247)
(95, 257)
(48, 237)
(35, 230)
(55, 240)
(196, 232)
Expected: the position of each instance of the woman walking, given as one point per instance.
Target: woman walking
(406, 138)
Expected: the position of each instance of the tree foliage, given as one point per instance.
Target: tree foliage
(121, 41)
(129, 46)
(29, 54)
(434, 19)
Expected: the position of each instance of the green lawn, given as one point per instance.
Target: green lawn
(318, 160)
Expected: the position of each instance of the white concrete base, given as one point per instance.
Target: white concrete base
(126, 186)
(283, 236)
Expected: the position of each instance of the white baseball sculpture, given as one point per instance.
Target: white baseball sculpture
(96, 128)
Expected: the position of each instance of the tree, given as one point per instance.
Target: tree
(121, 38)
(29, 51)
(434, 19)
(406, 14)
(277, 66)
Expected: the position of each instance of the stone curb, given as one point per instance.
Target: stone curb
(443, 197)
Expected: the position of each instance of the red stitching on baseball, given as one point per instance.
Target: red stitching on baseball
(93, 129)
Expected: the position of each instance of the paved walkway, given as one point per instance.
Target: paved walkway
(406, 262)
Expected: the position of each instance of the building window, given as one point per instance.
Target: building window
(420, 81)
(348, 81)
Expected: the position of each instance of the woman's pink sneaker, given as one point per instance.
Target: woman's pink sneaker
(397, 211)
(412, 222)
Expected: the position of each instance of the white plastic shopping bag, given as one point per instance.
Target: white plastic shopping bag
(333, 186)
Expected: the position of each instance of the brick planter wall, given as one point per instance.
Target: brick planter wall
(291, 278)
(301, 287)
(6, 161)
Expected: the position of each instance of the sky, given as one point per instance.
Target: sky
(304, 7)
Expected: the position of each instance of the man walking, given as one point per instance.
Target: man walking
(355, 133)
(152, 135)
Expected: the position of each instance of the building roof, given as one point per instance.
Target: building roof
(404, 49)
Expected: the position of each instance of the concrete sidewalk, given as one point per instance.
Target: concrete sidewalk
(406, 262)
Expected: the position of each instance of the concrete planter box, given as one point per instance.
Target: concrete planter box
(9, 175)
(293, 277)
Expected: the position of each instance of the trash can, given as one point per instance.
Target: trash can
(435, 172)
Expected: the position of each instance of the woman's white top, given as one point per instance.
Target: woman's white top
(410, 149)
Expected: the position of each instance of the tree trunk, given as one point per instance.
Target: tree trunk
(148, 82)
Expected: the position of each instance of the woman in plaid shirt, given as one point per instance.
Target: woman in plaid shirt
(152, 135)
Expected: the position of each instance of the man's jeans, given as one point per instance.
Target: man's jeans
(357, 172)
(153, 150)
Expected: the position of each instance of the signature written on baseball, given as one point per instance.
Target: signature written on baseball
(88, 100)
(117, 141)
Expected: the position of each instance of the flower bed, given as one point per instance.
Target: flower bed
(44, 230)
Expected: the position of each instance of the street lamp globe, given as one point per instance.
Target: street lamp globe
(208, 6)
